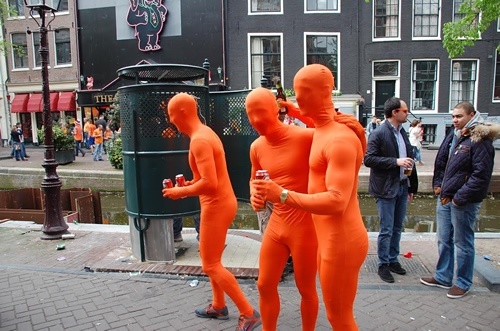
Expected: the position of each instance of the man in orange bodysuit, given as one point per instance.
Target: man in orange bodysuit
(283, 150)
(337, 151)
(218, 209)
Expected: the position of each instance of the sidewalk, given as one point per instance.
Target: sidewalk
(95, 283)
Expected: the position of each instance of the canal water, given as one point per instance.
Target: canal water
(421, 215)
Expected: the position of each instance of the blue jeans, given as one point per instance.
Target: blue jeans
(455, 229)
(416, 154)
(98, 152)
(178, 224)
(392, 213)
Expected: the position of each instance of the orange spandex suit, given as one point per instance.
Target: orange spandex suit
(337, 151)
(218, 202)
(283, 150)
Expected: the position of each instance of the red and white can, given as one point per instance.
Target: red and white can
(179, 179)
(262, 174)
(167, 183)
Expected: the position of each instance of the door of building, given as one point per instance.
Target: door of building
(384, 89)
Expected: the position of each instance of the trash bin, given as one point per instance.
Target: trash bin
(153, 149)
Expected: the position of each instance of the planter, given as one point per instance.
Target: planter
(65, 157)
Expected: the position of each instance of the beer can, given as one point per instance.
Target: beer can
(179, 179)
(261, 174)
(167, 183)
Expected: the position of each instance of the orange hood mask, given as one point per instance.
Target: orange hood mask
(262, 110)
(182, 111)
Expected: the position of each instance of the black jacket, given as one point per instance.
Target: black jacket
(381, 155)
(465, 175)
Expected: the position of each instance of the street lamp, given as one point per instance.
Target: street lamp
(54, 225)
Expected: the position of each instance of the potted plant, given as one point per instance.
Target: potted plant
(64, 144)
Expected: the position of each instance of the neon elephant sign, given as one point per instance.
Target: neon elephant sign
(148, 18)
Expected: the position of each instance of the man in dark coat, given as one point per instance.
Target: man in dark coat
(462, 174)
(393, 181)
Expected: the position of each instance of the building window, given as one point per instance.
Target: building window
(386, 18)
(20, 50)
(456, 11)
(63, 47)
(323, 49)
(463, 81)
(322, 5)
(265, 6)
(18, 6)
(386, 68)
(426, 18)
(64, 5)
(265, 60)
(36, 50)
(496, 91)
(424, 84)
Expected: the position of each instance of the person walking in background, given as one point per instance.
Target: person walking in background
(178, 227)
(90, 127)
(390, 158)
(415, 135)
(462, 174)
(108, 139)
(98, 135)
(78, 136)
(337, 150)
(16, 144)
(283, 151)
(218, 208)
(375, 123)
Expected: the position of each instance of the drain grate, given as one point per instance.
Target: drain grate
(412, 266)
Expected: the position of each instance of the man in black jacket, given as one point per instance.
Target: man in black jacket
(393, 181)
(462, 173)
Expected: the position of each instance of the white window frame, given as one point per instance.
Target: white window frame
(476, 83)
(497, 58)
(398, 37)
(336, 34)
(249, 47)
(438, 37)
(436, 90)
(34, 51)
(20, 14)
(25, 56)
(322, 11)
(264, 12)
(57, 65)
(498, 25)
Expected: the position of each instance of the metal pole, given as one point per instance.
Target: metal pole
(54, 225)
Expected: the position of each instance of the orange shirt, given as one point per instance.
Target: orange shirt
(78, 133)
(97, 134)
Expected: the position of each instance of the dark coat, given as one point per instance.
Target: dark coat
(465, 174)
(381, 156)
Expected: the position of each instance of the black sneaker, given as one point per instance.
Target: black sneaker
(396, 268)
(178, 238)
(212, 312)
(385, 273)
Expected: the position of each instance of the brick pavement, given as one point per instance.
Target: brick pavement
(41, 291)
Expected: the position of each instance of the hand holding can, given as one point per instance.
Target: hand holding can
(167, 183)
(180, 181)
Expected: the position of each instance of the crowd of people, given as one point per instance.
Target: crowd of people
(312, 186)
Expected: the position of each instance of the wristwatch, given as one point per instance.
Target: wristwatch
(283, 196)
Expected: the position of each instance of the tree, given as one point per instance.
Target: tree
(478, 16)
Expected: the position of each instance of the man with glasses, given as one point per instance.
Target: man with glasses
(393, 181)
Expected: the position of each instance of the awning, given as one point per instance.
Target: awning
(20, 103)
(34, 103)
(66, 101)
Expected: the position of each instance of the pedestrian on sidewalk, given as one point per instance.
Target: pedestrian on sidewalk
(78, 136)
(415, 135)
(98, 135)
(337, 150)
(393, 181)
(462, 174)
(283, 150)
(16, 144)
(218, 208)
(178, 227)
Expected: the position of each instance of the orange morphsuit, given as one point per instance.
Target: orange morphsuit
(217, 199)
(283, 150)
(337, 151)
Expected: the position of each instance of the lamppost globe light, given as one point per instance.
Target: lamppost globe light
(50, 5)
(54, 225)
